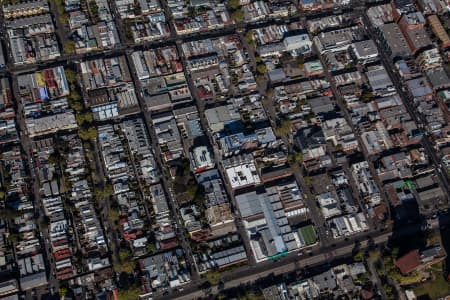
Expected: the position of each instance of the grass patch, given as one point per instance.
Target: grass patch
(131, 293)
(212, 277)
(125, 266)
(126, 263)
(308, 234)
(433, 239)
(435, 289)
(114, 215)
(363, 278)
(436, 268)
(412, 278)
(374, 254)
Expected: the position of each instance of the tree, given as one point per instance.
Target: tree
(137, 8)
(70, 76)
(93, 8)
(114, 214)
(85, 118)
(64, 19)
(76, 106)
(55, 158)
(13, 237)
(87, 146)
(300, 61)
(80, 119)
(128, 31)
(151, 247)
(192, 13)
(307, 180)
(358, 256)
(299, 157)
(367, 96)
(124, 254)
(87, 134)
(69, 47)
(191, 190)
(123, 280)
(394, 253)
(234, 4)
(62, 291)
(248, 37)
(108, 190)
(131, 292)
(237, 15)
(74, 96)
(261, 68)
(388, 289)
(284, 127)
(99, 195)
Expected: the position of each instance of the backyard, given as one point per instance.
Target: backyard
(437, 287)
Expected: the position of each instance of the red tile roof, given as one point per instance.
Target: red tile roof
(408, 262)
(381, 211)
(63, 253)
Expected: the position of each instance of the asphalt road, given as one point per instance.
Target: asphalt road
(341, 104)
(35, 188)
(247, 273)
(165, 182)
(269, 107)
(124, 46)
(410, 106)
(284, 266)
(292, 262)
(105, 204)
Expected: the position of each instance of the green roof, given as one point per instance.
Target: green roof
(92, 43)
(278, 255)
(407, 182)
(309, 234)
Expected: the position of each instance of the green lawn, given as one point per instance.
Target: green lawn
(308, 234)
(212, 276)
(435, 288)
(132, 293)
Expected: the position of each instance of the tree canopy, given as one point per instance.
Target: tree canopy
(87, 133)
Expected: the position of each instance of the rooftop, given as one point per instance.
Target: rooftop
(395, 40)
(408, 262)
(241, 173)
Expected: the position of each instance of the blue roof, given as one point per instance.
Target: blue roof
(194, 126)
(234, 126)
(43, 93)
(236, 141)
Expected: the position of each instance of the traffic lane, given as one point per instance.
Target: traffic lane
(342, 106)
(283, 269)
(165, 182)
(418, 118)
(378, 237)
(34, 185)
(124, 46)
